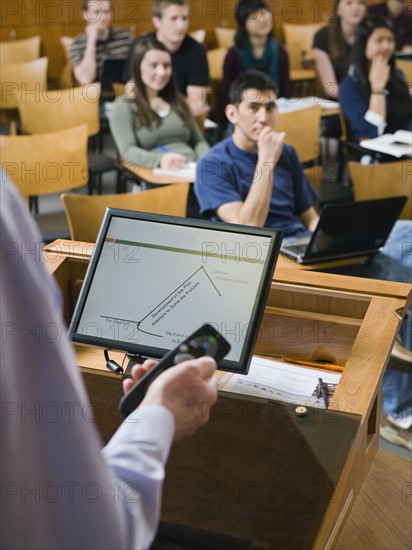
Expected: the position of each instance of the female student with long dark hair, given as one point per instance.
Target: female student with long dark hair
(374, 96)
(154, 127)
(255, 49)
(333, 43)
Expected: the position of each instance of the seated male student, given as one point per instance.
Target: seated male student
(98, 42)
(171, 21)
(253, 178)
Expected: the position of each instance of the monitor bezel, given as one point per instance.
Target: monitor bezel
(141, 351)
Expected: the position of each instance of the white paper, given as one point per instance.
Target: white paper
(398, 144)
(188, 173)
(279, 381)
(286, 105)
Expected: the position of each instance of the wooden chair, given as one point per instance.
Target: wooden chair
(84, 213)
(21, 81)
(225, 37)
(59, 109)
(122, 88)
(302, 130)
(67, 77)
(46, 163)
(300, 38)
(20, 51)
(215, 59)
(199, 35)
(388, 179)
(298, 41)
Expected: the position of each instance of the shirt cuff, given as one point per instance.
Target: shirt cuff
(152, 427)
(376, 120)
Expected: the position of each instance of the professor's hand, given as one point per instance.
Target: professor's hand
(188, 390)
(137, 372)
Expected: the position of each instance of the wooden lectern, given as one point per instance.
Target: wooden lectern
(257, 470)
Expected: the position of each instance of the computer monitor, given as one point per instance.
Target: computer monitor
(154, 279)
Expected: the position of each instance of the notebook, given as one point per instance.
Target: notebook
(188, 172)
(398, 144)
(347, 230)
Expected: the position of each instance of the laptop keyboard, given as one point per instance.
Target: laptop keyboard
(297, 246)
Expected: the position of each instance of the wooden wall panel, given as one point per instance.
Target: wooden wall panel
(53, 18)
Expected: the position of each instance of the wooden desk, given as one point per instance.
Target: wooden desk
(303, 81)
(256, 470)
(287, 263)
(287, 105)
(302, 74)
(147, 175)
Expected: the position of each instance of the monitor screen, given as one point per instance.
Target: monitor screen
(153, 280)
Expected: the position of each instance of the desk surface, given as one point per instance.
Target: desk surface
(328, 107)
(146, 174)
(285, 262)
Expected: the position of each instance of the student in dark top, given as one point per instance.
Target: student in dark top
(171, 21)
(255, 48)
(374, 96)
(400, 15)
(332, 44)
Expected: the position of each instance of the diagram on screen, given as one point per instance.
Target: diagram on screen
(198, 282)
(149, 292)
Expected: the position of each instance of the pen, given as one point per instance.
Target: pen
(323, 392)
(163, 148)
(324, 366)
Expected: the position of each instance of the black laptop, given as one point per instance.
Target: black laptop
(112, 72)
(347, 230)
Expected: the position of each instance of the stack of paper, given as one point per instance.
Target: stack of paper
(187, 173)
(287, 105)
(398, 144)
(279, 381)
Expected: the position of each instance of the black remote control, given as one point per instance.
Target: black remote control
(204, 341)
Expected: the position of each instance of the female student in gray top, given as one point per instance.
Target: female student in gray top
(155, 127)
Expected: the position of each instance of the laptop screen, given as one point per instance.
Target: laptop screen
(153, 280)
(354, 229)
(112, 72)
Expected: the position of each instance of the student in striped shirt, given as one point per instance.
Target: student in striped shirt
(98, 42)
